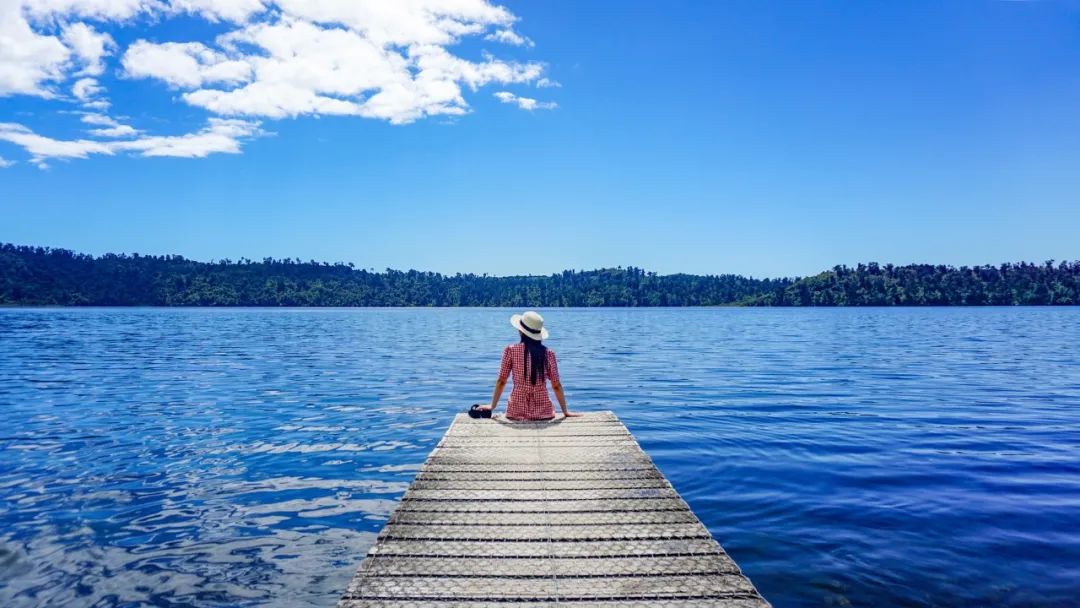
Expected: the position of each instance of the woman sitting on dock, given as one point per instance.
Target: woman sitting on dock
(532, 364)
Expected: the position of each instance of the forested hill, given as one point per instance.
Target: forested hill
(35, 275)
(45, 276)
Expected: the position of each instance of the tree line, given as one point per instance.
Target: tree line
(931, 285)
(50, 276)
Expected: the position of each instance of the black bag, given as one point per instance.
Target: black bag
(476, 412)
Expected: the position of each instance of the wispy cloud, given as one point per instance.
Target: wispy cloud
(509, 36)
(375, 59)
(525, 103)
(218, 136)
(89, 47)
(117, 131)
(108, 126)
(5, 163)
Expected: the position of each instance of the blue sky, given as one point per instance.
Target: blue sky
(752, 137)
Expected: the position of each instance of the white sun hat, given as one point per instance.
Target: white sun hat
(531, 324)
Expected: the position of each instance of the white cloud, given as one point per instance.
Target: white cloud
(189, 64)
(391, 60)
(218, 136)
(85, 89)
(117, 131)
(41, 147)
(100, 120)
(29, 62)
(272, 100)
(5, 163)
(90, 46)
(509, 36)
(295, 67)
(101, 10)
(109, 126)
(402, 23)
(298, 67)
(220, 10)
(125, 10)
(547, 83)
(525, 103)
(302, 68)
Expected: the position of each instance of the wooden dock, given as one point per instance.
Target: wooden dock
(568, 512)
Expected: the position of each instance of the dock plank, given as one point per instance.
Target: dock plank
(564, 513)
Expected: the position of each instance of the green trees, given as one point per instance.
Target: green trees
(44, 276)
(927, 285)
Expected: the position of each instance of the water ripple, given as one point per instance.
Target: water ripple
(916, 457)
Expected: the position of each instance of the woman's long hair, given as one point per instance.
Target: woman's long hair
(537, 352)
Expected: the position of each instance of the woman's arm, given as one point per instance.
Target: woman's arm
(500, 384)
(561, 396)
(556, 382)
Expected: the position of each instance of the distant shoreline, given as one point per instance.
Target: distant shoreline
(41, 276)
(460, 307)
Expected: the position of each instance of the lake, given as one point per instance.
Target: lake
(248, 457)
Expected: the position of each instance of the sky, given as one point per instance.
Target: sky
(751, 137)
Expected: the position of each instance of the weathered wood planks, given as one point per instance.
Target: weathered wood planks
(568, 512)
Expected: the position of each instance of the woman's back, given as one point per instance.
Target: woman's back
(529, 401)
(532, 364)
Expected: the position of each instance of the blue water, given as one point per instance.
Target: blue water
(914, 457)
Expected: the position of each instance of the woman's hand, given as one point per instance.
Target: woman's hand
(486, 408)
(571, 415)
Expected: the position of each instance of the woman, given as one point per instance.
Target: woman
(532, 364)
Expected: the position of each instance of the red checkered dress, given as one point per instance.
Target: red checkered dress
(528, 401)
